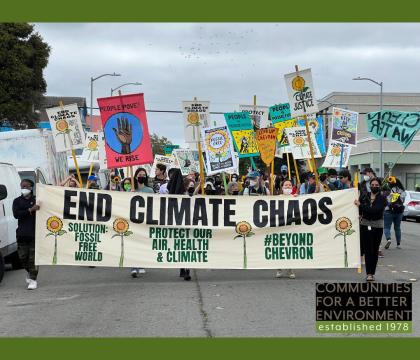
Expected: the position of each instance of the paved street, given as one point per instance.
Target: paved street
(98, 302)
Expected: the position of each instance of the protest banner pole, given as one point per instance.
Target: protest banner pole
(309, 141)
(309, 165)
(296, 170)
(341, 156)
(288, 166)
(200, 157)
(73, 153)
(272, 178)
(356, 185)
(90, 173)
(225, 183)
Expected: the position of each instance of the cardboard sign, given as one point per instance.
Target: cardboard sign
(243, 134)
(281, 126)
(316, 125)
(344, 126)
(91, 149)
(398, 126)
(66, 127)
(186, 161)
(300, 91)
(127, 140)
(219, 149)
(102, 152)
(336, 153)
(266, 139)
(299, 144)
(258, 115)
(196, 115)
(280, 112)
(125, 229)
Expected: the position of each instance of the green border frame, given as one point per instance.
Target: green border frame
(211, 11)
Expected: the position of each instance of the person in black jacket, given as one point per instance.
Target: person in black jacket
(371, 209)
(24, 209)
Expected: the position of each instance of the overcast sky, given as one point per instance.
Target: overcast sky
(226, 63)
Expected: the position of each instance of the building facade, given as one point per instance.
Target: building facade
(366, 154)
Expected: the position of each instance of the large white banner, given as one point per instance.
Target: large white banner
(124, 229)
(300, 90)
(66, 126)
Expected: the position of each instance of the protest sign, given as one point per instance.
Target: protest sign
(258, 115)
(124, 229)
(169, 148)
(399, 126)
(235, 169)
(344, 126)
(66, 127)
(266, 140)
(91, 149)
(299, 144)
(300, 91)
(243, 134)
(280, 112)
(337, 154)
(168, 161)
(186, 161)
(196, 115)
(219, 149)
(316, 125)
(102, 152)
(127, 140)
(281, 135)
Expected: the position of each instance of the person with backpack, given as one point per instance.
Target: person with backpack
(395, 195)
(256, 185)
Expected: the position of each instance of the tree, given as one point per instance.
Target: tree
(23, 57)
(158, 144)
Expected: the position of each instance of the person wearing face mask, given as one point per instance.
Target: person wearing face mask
(368, 174)
(142, 181)
(333, 182)
(371, 210)
(235, 180)
(233, 188)
(287, 190)
(24, 210)
(189, 185)
(126, 185)
(256, 185)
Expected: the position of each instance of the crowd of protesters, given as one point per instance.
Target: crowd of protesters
(380, 203)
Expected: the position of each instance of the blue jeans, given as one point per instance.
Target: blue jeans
(390, 218)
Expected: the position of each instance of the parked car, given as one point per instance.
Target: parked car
(9, 190)
(412, 206)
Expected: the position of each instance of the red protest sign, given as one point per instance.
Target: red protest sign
(127, 140)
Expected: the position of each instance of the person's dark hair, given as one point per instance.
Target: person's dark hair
(161, 167)
(332, 172)
(322, 177)
(398, 184)
(29, 181)
(176, 183)
(136, 174)
(345, 173)
(378, 180)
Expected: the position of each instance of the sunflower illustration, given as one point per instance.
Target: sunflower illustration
(62, 127)
(244, 230)
(92, 146)
(299, 141)
(55, 228)
(344, 227)
(336, 151)
(218, 143)
(121, 227)
(193, 119)
(298, 83)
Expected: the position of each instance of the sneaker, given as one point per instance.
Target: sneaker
(291, 274)
(142, 271)
(380, 254)
(27, 281)
(279, 274)
(134, 273)
(388, 244)
(370, 278)
(32, 284)
(399, 246)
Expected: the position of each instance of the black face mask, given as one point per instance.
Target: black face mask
(208, 192)
(191, 190)
(235, 192)
(141, 180)
(374, 190)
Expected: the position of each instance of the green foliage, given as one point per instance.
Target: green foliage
(159, 143)
(23, 57)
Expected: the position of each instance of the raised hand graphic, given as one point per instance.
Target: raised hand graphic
(124, 134)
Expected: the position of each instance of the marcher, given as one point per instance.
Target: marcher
(142, 183)
(287, 190)
(395, 193)
(256, 185)
(333, 182)
(371, 209)
(176, 187)
(233, 188)
(92, 182)
(309, 186)
(70, 181)
(160, 177)
(24, 210)
(368, 174)
(345, 179)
